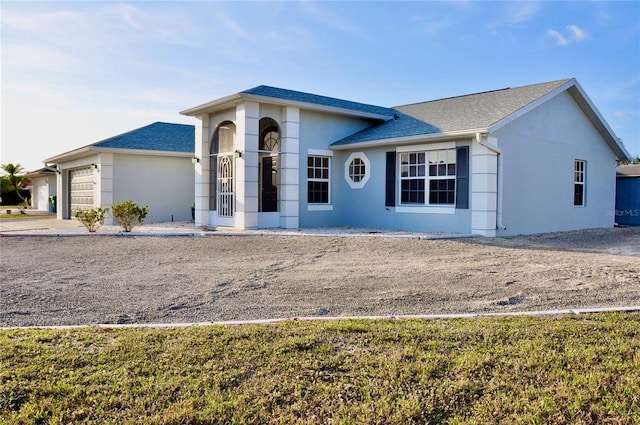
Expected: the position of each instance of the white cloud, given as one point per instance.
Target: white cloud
(28, 57)
(578, 34)
(431, 27)
(573, 34)
(521, 11)
(626, 115)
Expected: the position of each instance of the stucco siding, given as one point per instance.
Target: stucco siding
(539, 150)
(317, 132)
(165, 184)
(365, 207)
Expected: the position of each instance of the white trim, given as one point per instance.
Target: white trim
(233, 99)
(319, 207)
(83, 152)
(425, 210)
(407, 140)
(427, 147)
(367, 170)
(319, 152)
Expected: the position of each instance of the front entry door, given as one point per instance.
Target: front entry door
(269, 189)
(225, 186)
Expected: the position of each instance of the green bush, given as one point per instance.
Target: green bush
(128, 214)
(92, 218)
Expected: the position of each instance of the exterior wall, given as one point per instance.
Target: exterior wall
(317, 131)
(628, 201)
(539, 150)
(365, 207)
(41, 189)
(166, 184)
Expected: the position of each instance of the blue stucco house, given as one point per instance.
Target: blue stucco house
(531, 159)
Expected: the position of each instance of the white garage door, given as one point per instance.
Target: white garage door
(81, 188)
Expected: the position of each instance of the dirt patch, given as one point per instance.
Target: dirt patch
(111, 279)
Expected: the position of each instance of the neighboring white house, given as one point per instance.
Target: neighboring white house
(44, 185)
(151, 166)
(530, 159)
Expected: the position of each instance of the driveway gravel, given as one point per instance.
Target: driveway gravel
(98, 279)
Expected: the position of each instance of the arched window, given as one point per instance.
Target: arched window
(224, 138)
(269, 136)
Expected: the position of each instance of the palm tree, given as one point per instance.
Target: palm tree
(13, 179)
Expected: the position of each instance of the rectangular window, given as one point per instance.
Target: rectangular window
(318, 173)
(434, 171)
(579, 169)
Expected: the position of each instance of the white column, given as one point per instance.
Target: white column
(201, 170)
(484, 190)
(246, 169)
(104, 180)
(62, 198)
(290, 169)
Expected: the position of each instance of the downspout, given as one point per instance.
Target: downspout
(480, 138)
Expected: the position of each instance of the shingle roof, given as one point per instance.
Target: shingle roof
(159, 136)
(401, 125)
(479, 110)
(468, 112)
(296, 96)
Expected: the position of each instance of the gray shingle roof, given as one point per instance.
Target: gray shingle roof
(468, 112)
(296, 96)
(479, 110)
(159, 136)
(401, 125)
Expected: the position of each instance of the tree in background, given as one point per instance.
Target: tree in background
(13, 180)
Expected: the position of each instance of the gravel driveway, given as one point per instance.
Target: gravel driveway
(144, 279)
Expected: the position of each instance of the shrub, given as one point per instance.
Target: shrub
(92, 218)
(128, 214)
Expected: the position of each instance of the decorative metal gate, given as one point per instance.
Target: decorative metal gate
(225, 186)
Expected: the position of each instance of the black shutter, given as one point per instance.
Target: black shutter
(390, 189)
(462, 177)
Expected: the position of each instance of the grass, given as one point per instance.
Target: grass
(17, 215)
(569, 369)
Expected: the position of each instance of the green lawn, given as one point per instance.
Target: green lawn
(15, 215)
(569, 369)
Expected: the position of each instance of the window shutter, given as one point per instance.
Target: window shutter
(390, 189)
(462, 177)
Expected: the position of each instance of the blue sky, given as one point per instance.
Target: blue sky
(74, 73)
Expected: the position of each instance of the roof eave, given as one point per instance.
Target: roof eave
(598, 121)
(409, 140)
(214, 105)
(91, 150)
(587, 107)
(70, 156)
(317, 107)
(234, 99)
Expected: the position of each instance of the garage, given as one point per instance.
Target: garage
(81, 188)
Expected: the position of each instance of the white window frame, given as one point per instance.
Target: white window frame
(426, 177)
(317, 206)
(580, 179)
(359, 184)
